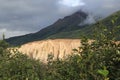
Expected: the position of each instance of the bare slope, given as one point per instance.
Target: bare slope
(58, 47)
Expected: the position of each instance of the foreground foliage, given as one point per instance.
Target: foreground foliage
(98, 60)
(16, 66)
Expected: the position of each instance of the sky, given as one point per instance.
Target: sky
(19, 17)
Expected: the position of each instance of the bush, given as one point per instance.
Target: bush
(16, 66)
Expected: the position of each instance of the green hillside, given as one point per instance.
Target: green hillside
(68, 27)
(112, 21)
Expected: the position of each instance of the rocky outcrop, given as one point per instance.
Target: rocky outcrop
(58, 47)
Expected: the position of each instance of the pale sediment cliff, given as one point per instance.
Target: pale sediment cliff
(58, 47)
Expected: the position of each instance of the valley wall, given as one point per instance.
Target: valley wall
(58, 47)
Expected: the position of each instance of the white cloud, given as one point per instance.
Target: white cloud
(72, 3)
(102, 7)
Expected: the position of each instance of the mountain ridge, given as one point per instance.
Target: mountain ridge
(110, 22)
(66, 24)
(68, 28)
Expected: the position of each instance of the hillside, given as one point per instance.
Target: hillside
(68, 23)
(68, 27)
(88, 30)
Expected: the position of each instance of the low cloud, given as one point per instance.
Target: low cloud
(102, 7)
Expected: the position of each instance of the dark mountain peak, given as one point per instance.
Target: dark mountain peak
(78, 16)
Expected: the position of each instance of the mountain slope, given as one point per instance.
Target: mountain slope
(68, 28)
(112, 21)
(66, 24)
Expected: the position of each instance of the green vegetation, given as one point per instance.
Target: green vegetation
(16, 66)
(98, 60)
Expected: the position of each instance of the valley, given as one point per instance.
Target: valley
(72, 48)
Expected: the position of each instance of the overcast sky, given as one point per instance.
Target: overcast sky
(18, 17)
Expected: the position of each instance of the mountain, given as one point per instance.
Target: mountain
(69, 27)
(110, 22)
(67, 24)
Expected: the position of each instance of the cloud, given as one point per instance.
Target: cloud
(67, 7)
(72, 3)
(102, 7)
(29, 15)
(24, 16)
